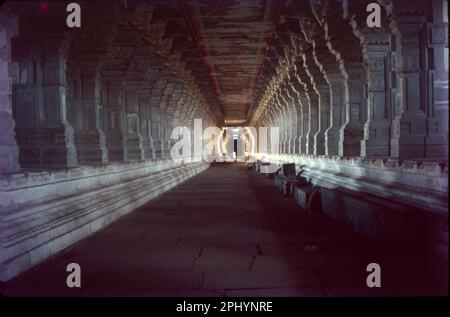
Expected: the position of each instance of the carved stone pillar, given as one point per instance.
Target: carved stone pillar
(145, 128)
(167, 116)
(292, 99)
(58, 146)
(377, 126)
(341, 41)
(90, 140)
(409, 126)
(315, 81)
(157, 115)
(114, 121)
(185, 108)
(309, 100)
(9, 151)
(326, 62)
(287, 120)
(296, 101)
(337, 113)
(305, 102)
(324, 119)
(352, 131)
(302, 101)
(281, 120)
(133, 131)
(437, 82)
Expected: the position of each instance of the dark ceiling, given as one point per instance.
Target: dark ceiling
(233, 38)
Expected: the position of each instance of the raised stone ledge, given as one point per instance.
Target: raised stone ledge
(25, 187)
(420, 184)
(43, 213)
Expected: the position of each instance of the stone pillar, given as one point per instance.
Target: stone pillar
(301, 109)
(184, 109)
(409, 126)
(377, 126)
(156, 131)
(9, 151)
(296, 101)
(156, 115)
(167, 116)
(90, 140)
(333, 17)
(337, 113)
(115, 130)
(292, 97)
(306, 101)
(281, 119)
(179, 105)
(286, 120)
(326, 62)
(58, 145)
(316, 80)
(436, 142)
(133, 131)
(145, 128)
(324, 119)
(351, 133)
(174, 111)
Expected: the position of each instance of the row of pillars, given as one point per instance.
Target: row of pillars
(61, 111)
(343, 89)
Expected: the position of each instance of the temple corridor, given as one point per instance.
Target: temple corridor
(226, 232)
(224, 147)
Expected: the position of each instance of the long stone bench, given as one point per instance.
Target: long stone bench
(42, 213)
(415, 185)
(308, 197)
(286, 179)
(383, 220)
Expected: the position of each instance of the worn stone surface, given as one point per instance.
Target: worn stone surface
(183, 245)
(47, 212)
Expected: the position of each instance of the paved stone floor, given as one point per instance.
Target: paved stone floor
(227, 232)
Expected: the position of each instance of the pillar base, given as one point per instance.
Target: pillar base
(332, 142)
(436, 147)
(374, 149)
(9, 151)
(158, 148)
(117, 153)
(350, 144)
(47, 148)
(135, 150)
(319, 141)
(9, 158)
(91, 149)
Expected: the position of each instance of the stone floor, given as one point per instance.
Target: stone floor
(227, 232)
